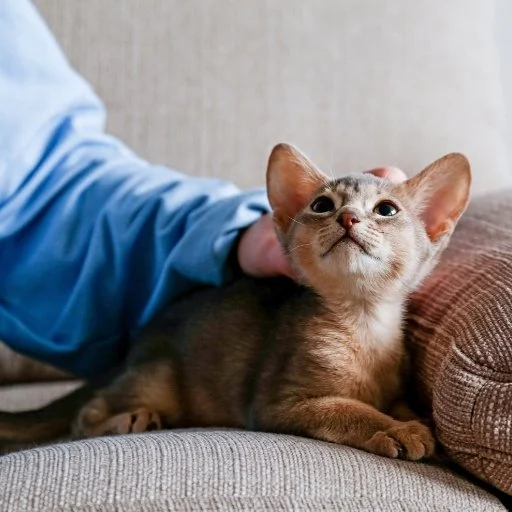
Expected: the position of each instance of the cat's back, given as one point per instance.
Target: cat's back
(227, 319)
(247, 300)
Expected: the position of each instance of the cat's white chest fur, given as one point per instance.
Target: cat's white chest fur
(380, 328)
(363, 352)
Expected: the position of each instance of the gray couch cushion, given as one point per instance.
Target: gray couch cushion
(219, 470)
(20, 397)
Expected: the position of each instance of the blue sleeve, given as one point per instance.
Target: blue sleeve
(93, 240)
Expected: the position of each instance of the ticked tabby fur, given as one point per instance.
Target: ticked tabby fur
(324, 358)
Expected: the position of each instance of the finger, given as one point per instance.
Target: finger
(393, 174)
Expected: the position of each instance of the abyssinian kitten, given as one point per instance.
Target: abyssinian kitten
(324, 358)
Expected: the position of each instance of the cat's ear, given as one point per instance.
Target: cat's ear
(441, 193)
(292, 179)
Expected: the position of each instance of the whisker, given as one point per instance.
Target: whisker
(298, 247)
(298, 222)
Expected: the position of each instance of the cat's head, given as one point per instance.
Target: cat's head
(362, 234)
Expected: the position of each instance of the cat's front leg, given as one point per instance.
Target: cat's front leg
(353, 423)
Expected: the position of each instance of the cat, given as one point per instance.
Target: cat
(323, 357)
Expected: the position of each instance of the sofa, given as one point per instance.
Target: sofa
(208, 88)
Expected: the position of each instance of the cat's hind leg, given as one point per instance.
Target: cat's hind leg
(96, 419)
(142, 399)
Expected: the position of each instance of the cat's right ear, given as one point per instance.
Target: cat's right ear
(292, 179)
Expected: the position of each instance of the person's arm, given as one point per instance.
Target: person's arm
(93, 240)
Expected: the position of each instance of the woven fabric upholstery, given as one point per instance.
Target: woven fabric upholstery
(225, 470)
(460, 329)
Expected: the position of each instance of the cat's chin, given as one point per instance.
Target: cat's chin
(349, 256)
(350, 245)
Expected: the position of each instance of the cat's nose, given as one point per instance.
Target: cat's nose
(348, 219)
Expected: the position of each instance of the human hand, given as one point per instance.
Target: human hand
(260, 253)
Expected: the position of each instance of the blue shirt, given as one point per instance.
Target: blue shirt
(93, 239)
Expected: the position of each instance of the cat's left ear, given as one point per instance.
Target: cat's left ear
(441, 193)
(292, 179)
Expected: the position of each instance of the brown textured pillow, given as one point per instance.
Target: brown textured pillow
(460, 330)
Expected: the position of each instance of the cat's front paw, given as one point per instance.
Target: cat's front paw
(409, 440)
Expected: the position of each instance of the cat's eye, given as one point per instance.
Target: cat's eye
(322, 204)
(386, 209)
